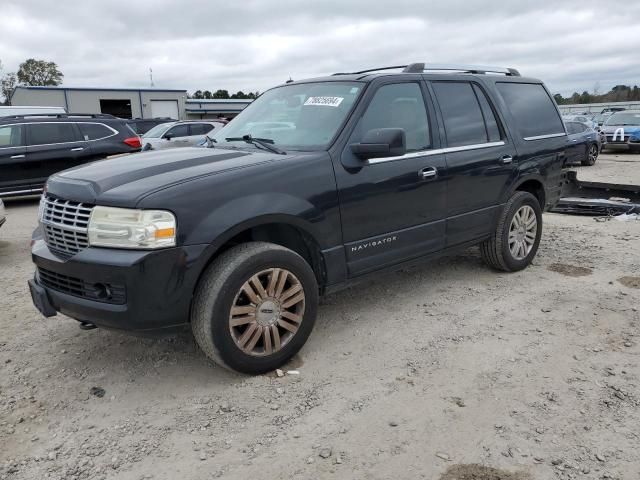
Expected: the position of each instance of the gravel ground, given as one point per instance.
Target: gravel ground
(446, 371)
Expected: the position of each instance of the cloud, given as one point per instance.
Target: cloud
(252, 45)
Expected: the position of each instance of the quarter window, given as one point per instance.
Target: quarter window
(11, 136)
(94, 131)
(399, 105)
(461, 112)
(48, 133)
(533, 110)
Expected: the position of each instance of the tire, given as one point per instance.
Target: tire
(496, 251)
(592, 155)
(225, 284)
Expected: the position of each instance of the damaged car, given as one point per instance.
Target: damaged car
(622, 130)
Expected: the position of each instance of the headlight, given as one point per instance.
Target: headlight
(128, 228)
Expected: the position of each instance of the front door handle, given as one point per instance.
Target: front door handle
(77, 149)
(428, 173)
(506, 159)
(17, 156)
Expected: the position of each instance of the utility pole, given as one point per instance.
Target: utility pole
(151, 78)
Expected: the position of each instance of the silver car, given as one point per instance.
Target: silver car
(185, 133)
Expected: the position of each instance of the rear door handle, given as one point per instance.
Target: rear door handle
(17, 156)
(506, 159)
(428, 173)
(77, 149)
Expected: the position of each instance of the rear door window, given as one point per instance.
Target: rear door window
(532, 108)
(493, 129)
(94, 131)
(11, 136)
(200, 128)
(179, 131)
(50, 133)
(463, 119)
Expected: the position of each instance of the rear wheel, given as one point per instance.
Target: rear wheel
(517, 235)
(592, 155)
(255, 307)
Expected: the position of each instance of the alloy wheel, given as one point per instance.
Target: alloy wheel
(522, 232)
(593, 154)
(267, 312)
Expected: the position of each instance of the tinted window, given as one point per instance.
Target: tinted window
(463, 120)
(11, 136)
(571, 128)
(398, 106)
(493, 130)
(200, 128)
(47, 133)
(533, 110)
(94, 131)
(179, 131)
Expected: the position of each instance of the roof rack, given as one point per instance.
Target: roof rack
(435, 67)
(58, 115)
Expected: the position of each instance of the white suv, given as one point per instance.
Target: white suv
(180, 134)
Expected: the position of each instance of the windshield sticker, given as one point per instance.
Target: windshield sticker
(324, 101)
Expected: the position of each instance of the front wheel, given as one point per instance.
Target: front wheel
(592, 155)
(517, 236)
(254, 307)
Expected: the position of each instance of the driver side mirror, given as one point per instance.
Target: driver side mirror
(168, 136)
(381, 142)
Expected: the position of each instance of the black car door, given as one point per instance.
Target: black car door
(392, 209)
(480, 159)
(53, 147)
(12, 160)
(576, 149)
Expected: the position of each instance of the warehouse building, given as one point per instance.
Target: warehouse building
(121, 102)
(127, 102)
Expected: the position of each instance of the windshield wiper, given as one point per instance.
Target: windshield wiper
(266, 143)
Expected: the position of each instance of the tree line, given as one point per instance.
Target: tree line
(619, 93)
(206, 94)
(31, 72)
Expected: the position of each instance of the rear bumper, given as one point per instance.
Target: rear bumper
(158, 285)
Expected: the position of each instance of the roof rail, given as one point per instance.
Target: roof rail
(57, 115)
(433, 67)
(480, 69)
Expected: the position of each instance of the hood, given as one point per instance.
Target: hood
(125, 180)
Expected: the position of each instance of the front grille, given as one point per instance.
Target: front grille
(65, 224)
(100, 292)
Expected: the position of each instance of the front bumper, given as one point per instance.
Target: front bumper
(157, 285)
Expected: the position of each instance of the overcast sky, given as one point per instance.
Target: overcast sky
(254, 44)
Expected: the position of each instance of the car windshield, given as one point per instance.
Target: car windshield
(302, 116)
(624, 118)
(158, 130)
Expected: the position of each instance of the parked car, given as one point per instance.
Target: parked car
(184, 133)
(143, 125)
(580, 118)
(3, 216)
(584, 143)
(11, 110)
(238, 240)
(623, 130)
(33, 147)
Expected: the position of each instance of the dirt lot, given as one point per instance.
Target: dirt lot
(445, 371)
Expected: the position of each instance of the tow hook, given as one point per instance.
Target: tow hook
(87, 326)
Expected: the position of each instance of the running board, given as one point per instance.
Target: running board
(596, 198)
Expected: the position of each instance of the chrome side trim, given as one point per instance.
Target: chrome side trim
(437, 151)
(20, 192)
(542, 137)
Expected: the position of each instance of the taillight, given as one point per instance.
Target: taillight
(133, 142)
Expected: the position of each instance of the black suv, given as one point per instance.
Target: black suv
(318, 183)
(33, 147)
